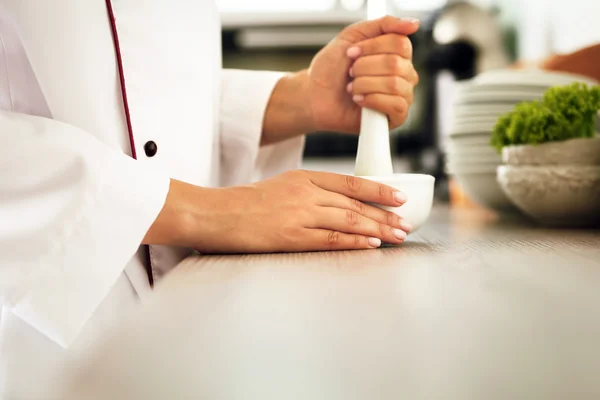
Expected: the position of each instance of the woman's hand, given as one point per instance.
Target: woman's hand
(295, 211)
(301, 211)
(368, 65)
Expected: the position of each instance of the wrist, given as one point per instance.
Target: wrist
(301, 84)
(198, 217)
(176, 224)
(288, 112)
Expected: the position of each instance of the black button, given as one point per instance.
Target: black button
(150, 148)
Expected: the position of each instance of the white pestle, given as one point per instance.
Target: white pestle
(373, 157)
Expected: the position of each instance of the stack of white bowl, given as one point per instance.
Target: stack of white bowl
(471, 160)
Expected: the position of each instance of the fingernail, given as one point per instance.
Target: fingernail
(412, 20)
(406, 226)
(400, 197)
(399, 234)
(374, 242)
(351, 72)
(349, 88)
(353, 52)
(358, 98)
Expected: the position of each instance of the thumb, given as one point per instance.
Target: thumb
(377, 27)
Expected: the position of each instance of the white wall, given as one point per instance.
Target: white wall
(575, 24)
(556, 26)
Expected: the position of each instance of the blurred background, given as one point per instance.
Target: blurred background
(457, 41)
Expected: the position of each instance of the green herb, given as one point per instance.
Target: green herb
(564, 112)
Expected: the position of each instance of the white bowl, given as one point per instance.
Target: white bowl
(529, 77)
(486, 149)
(482, 187)
(419, 191)
(472, 166)
(482, 138)
(503, 87)
(459, 120)
(497, 97)
(481, 110)
(473, 128)
(554, 195)
(468, 162)
(473, 154)
(569, 152)
(472, 158)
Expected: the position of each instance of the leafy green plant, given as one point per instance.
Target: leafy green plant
(564, 112)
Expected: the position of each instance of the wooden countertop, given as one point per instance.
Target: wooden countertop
(471, 307)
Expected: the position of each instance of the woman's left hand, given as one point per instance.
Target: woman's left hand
(369, 64)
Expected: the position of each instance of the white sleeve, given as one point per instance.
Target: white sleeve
(244, 98)
(73, 212)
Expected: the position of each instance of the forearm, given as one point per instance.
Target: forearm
(287, 114)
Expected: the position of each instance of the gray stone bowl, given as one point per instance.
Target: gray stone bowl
(584, 151)
(554, 195)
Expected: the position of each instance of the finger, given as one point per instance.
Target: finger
(348, 221)
(323, 239)
(394, 85)
(358, 188)
(391, 43)
(369, 29)
(395, 107)
(329, 199)
(384, 65)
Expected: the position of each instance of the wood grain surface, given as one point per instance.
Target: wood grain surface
(454, 237)
(473, 306)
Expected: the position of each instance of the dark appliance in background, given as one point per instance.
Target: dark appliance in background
(463, 39)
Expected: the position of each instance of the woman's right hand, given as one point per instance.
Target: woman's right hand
(294, 211)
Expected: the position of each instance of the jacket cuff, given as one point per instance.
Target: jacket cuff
(117, 202)
(244, 99)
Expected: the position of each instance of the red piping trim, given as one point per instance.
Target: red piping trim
(115, 35)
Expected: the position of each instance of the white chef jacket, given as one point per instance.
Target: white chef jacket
(74, 204)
